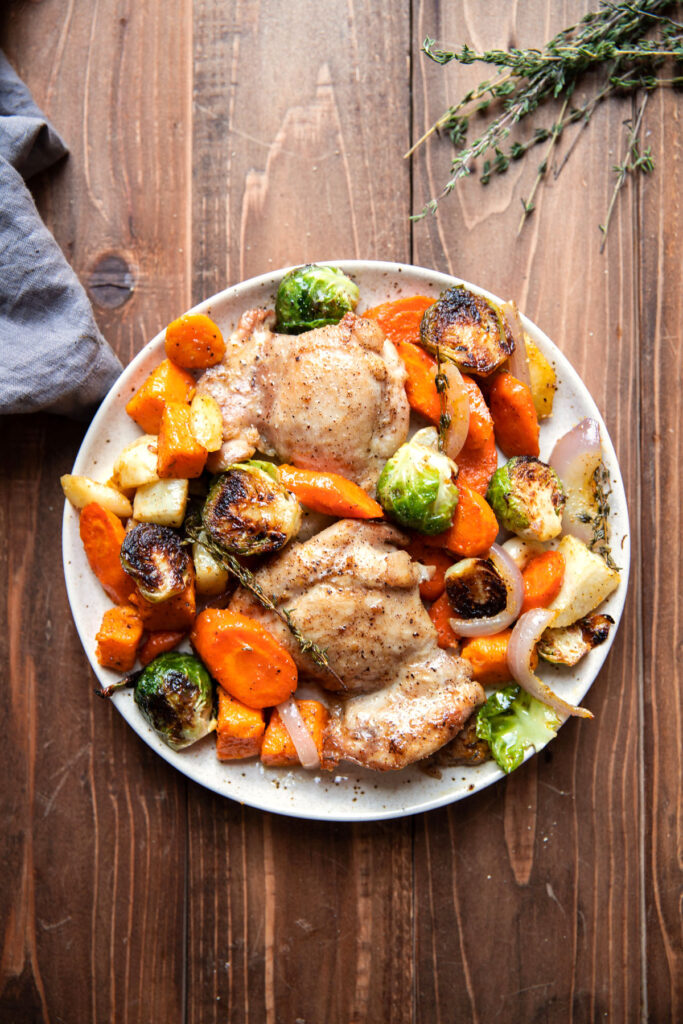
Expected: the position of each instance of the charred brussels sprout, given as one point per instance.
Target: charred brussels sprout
(155, 558)
(175, 695)
(313, 296)
(249, 512)
(416, 487)
(528, 498)
(469, 330)
(475, 589)
(567, 645)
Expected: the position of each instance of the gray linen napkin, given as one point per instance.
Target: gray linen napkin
(52, 355)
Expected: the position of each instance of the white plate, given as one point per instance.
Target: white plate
(353, 795)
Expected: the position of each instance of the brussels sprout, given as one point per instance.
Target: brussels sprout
(416, 487)
(528, 498)
(249, 512)
(469, 330)
(175, 695)
(313, 296)
(512, 720)
(157, 561)
(475, 588)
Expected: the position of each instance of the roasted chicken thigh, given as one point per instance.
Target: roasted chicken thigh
(329, 399)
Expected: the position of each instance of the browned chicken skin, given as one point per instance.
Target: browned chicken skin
(353, 591)
(329, 399)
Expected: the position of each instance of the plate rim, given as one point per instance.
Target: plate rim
(186, 767)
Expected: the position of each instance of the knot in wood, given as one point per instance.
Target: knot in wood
(111, 281)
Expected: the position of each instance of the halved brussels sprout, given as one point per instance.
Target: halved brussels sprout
(157, 561)
(313, 296)
(566, 646)
(175, 695)
(475, 589)
(416, 485)
(249, 512)
(528, 498)
(469, 330)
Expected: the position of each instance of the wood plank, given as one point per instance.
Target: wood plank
(660, 301)
(93, 924)
(544, 870)
(301, 920)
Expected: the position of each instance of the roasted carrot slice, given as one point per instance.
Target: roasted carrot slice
(239, 731)
(488, 656)
(474, 527)
(194, 341)
(421, 383)
(118, 638)
(440, 613)
(180, 456)
(329, 493)
(159, 642)
(477, 465)
(543, 578)
(400, 319)
(480, 430)
(428, 554)
(102, 534)
(168, 383)
(277, 750)
(514, 415)
(244, 657)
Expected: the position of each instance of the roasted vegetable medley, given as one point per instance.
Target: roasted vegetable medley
(508, 555)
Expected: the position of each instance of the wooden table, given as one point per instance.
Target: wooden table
(210, 142)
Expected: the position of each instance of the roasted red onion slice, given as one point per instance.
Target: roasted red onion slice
(518, 363)
(515, 594)
(575, 458)
(458, 408)
(304, 743)
(525, 636)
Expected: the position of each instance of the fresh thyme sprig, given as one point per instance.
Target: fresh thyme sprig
(633, 162)
(246, 578)
(630, 40)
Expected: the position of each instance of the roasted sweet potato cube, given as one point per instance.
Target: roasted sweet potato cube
(168, 383)
(178, 613)
(180, 455)
(239, 732)
(118, 638)
(278, 750)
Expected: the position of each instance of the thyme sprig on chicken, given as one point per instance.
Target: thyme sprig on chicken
(629, 41)
(246, 578)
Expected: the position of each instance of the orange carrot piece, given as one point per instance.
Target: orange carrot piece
(515, 420)
(159, 642)
(118, 638)
(488, 656)
(239, 730)
(102, 534)
(329, 493)
(477, 465)
(420, 550)
(179, 453)
(474, 528)
(168, 383)
(194, 341)
(178, 613)
(400, 319)
(277, 750)
(244, 657)
(480, 429)
(421, 383)
(440, 613)
(543, 578)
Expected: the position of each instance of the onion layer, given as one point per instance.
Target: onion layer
(519, 365)
(512, 578)
(304, 744)
(575, 458)
(458, 408)
(525, 636)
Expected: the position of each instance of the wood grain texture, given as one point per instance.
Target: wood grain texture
(212, 145)
(94, 841)
(661, 313)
